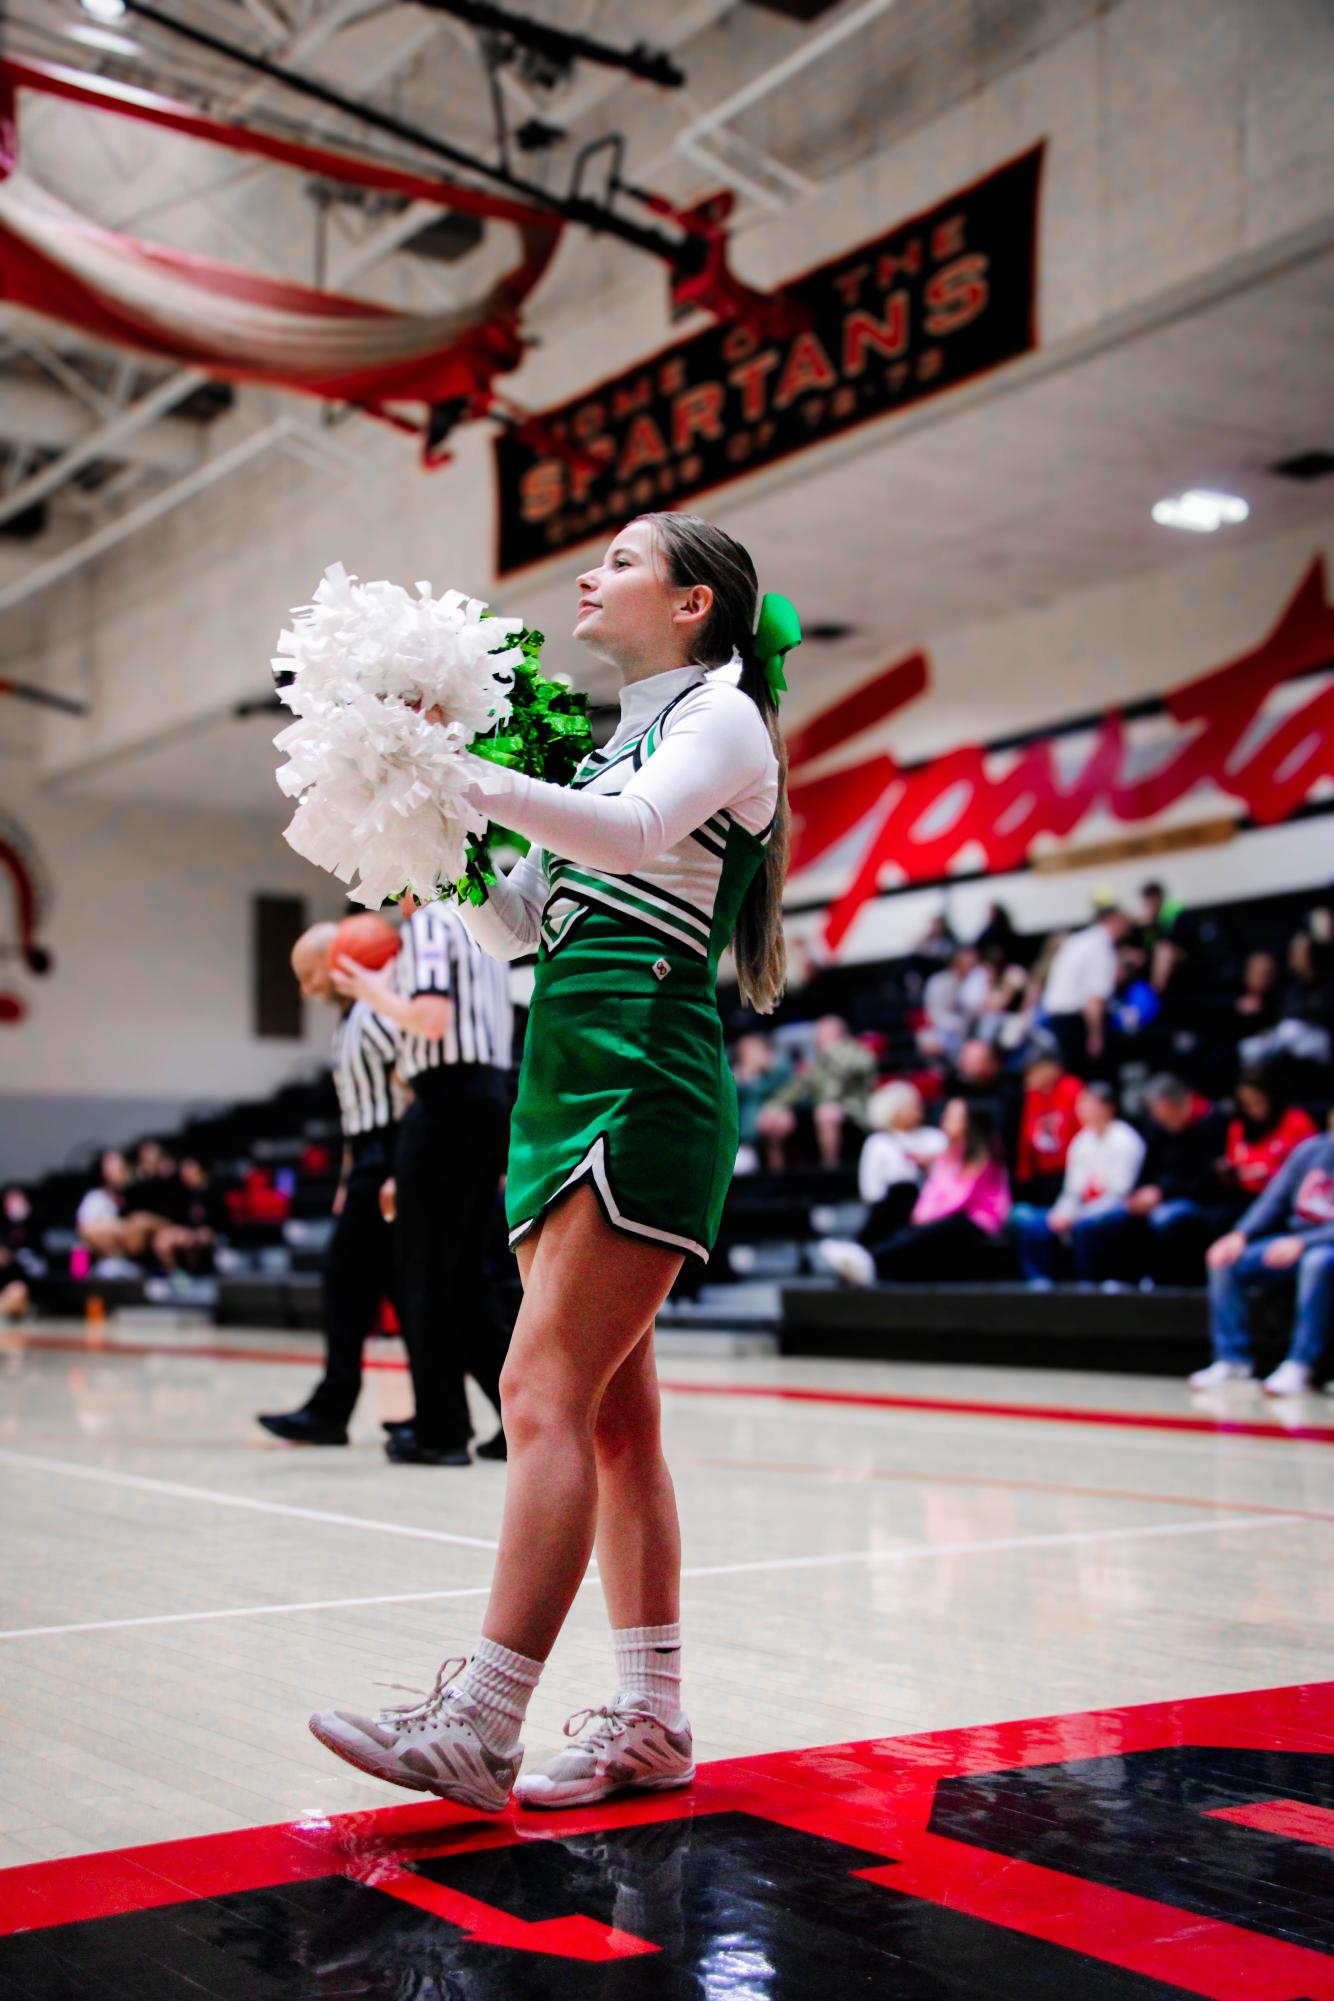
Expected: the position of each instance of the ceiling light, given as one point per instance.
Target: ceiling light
(1200, 511)
(104, 10)
(104, 38)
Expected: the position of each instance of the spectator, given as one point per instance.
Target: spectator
(937, 943)
(894, 1158)
(1101, 1168)
(117, 1228)
(957, 1221)
(998, 937)
(19, 1259)
(1179, 1203)
(1256, 1006)
(1265, 1131)
(1047, 1122)
(1001, 1016)
(14, 1296)
(1135, 1004)
(760, 1068)
(979, 1076)
(1080, 986)
(833, 1084)
(1162, 915)
(1285, 1239)
(155, 1186)
(1163, 934)
(101, 1215)
(1305, 1005)
(950, 999)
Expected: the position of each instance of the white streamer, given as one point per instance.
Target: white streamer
(379, 790)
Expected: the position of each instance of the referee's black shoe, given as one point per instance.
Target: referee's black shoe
(302, 1427)
(405, 1449)
(492, 1448)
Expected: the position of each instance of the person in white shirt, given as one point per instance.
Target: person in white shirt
(1101, 1168)
(1080, 983)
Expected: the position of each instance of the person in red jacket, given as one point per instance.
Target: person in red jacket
(1264, 1132)
(1047, 1123)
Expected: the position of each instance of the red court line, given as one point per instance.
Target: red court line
(1134, 1420)
(1322, 1434)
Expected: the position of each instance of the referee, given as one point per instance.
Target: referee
(359, 1263)
(451, 1003)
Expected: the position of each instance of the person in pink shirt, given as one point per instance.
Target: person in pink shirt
(956, 1230)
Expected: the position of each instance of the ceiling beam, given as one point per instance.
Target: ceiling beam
(37, 413)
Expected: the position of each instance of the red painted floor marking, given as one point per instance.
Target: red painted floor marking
(1298, 1820)
(875, 1795)
(1318, 1434)
(577, 1937)
(1205, 1956)
(1036, 1413)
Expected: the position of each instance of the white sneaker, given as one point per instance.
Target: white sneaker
(626, 1748)
(1221, 1372)
(847, 1260)
(1290, 1379)
(431, 1746)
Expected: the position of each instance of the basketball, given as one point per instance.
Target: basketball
(370, 940)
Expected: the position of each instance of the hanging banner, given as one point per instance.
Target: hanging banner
(930, 304)
(998, 807)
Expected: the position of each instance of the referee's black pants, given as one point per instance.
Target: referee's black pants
(358, 1275)
(449, 1160)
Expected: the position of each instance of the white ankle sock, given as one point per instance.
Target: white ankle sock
(648, 1666)
(497, 1686)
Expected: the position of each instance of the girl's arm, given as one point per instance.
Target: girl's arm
(716, 750)
(509, 923)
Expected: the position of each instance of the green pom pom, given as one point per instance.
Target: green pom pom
(546, 735)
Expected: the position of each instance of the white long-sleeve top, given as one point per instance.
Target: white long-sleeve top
(1101, 1168)
(888, 1158)
(653, 803)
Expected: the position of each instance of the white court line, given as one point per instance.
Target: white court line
(32, 1462)
(911, 1553)
(243, 1612)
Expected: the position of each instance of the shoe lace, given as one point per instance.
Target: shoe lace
(607, 1721)
(428, 1708)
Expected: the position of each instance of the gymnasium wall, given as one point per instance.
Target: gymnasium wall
(147, 1009)
(1106, 648)
(1149, 187)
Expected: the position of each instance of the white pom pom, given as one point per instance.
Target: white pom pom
(380, 790)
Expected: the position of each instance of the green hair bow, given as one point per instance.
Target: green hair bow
(778, 631)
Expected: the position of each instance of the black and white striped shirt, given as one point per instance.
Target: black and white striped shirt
(365, 1050)
(438, 955)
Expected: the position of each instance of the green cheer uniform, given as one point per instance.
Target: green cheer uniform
(625, 1083)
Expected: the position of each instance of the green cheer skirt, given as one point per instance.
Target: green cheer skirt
(630, 1092)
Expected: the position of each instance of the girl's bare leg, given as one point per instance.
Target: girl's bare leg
(638, 1534)
(590, 1295)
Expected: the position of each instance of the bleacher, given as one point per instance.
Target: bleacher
(275, 1164)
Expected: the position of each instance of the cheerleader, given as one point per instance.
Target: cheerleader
(669, 844)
